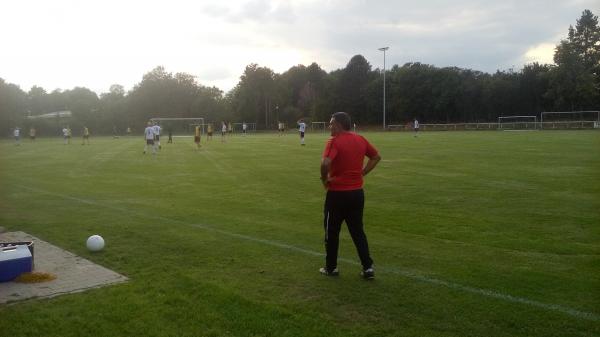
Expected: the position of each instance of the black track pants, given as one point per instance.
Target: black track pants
(345, 206)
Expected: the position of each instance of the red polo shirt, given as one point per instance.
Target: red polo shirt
(347, 152)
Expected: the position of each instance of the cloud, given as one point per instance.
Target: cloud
(214, 73)
(66, 43)
(541, 53)
(252, 11)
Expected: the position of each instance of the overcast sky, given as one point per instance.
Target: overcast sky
(68, 43)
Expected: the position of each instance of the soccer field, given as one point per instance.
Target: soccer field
(472, 233)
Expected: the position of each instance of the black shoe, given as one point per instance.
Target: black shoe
(326, 272)
(368, 274)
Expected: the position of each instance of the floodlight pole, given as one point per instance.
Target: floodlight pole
(383, 49)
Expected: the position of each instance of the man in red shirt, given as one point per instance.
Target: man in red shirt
(342, 174)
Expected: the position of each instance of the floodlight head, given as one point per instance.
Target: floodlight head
(384, 48)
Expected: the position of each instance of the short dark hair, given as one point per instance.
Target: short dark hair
(342, 118)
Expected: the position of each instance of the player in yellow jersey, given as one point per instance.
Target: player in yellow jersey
(209, 131)
(197, 137)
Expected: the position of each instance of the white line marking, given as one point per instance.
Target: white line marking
(209, 157)
(408, 274)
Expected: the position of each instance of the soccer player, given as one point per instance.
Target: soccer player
(128, 131)
(157, 134)
(279, 128)
(223, 131)
(32, 133)
(244, 127)
(86, 136)
(416, 126)
(197, 137)
(17, 135)
(342, 175)
(149, 136)
(301, 129)
(66, 134)
(170, 141)
(209, 131)
(230, 128)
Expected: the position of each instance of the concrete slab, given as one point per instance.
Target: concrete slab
(73, 273)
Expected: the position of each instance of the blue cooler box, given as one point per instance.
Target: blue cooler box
(14, 261)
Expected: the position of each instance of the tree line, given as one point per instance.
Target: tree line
(414, 90)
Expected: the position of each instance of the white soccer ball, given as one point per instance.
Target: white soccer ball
(95, 243)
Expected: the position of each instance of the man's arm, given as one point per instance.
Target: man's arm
(325, 165)
(371, 164)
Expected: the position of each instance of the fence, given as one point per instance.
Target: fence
(499, 126)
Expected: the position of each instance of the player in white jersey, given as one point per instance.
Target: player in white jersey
(301, 129)
(244, 127)
(149, 136)
(17, 134)
(223, 131)
(66, 134)
(416, 126)
(157, 128)
(280, 128)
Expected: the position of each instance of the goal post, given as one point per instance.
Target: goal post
(181, 126)
(522, 122)
(239, 127)
(318, 126)
(570, 119)
(51, 120)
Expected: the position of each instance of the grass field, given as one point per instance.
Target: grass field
(472, 233)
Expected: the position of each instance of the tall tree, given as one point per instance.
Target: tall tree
(12, 106)
(575, 82)
(254, 97)
(82, 102)
(113, 112)
(586, 40)
(352, 89)
(37, 101)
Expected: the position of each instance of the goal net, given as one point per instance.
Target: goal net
(49, 121)
(180, 127)
(239, 127)
(53, 115)
(570, 119)
(318, 126)
(509, 123)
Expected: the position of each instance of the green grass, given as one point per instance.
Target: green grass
(225, 241)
